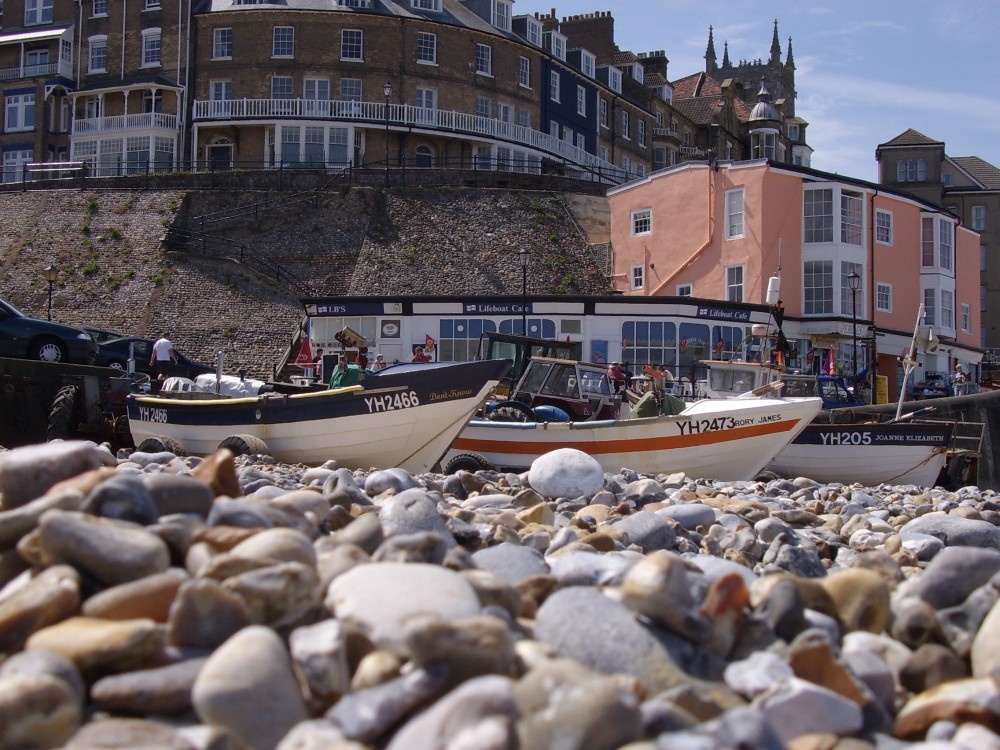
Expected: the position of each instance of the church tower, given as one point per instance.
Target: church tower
(776, 76)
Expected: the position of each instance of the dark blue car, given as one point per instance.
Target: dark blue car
(24, 337)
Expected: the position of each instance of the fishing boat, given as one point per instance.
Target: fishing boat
(404, 416)
(848, 441)
(569, 404)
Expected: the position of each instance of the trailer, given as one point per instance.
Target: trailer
(42, 401)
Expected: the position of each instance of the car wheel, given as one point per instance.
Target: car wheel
(116, 364)
(48, 349)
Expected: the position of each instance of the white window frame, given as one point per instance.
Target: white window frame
(626, 125)
(37, 12)
(685, 290)
(883, 226)
(222, 43)
(282, 85)
(734, 214)
(99, 9)
(533, 32)
(817, 215)
(524, 72)
(220, 90)
(94, 43)
(642, 222)
(847, 297)
(817, 298)
(19, 112)
(151, 48)
(351, 90)
(930, 306)
(282, 42)
(735, 280)
(588, 64)
(352, 40)
(948, 309)
(426, 48)
(581, 100)
(602, 112)
(554, 85)
(966, 313)
(637, 276)
(152, 5)
(852, 213)
(484, 60)
(883, 297)
(431, 5)
(501, 14)
(615, 79)
(484, 107)
(641, 129)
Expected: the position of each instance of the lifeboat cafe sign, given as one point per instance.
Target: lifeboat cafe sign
(723, 313)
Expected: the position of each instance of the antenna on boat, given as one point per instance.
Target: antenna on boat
(909, 360)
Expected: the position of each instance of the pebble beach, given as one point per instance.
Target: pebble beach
(149, 600)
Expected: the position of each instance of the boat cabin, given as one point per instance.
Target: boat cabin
(833, 390)
(581, 389)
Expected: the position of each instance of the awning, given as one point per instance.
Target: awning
(34, 36)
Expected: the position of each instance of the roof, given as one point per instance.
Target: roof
(980, 170)
(698, 97)
(912, 137)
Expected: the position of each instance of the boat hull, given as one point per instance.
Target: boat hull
(405, 419)
(869, 454)
(727, 440)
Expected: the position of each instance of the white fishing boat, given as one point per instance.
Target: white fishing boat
(847, 442)
(724, 439)
(404, 416)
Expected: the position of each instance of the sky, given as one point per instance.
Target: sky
(865, 70)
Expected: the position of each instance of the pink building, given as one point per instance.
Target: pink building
(721, 231)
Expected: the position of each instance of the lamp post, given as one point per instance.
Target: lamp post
(387, 91)
(524, 257)
(51, 275)
(854, 284)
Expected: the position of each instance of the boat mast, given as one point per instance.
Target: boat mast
(909, 361)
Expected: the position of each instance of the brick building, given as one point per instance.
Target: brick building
(130, 85)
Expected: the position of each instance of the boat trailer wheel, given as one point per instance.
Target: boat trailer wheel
(245, 445)
(466, 462)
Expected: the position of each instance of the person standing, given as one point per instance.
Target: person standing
(959, 381)
(162, 356)
(380, 363)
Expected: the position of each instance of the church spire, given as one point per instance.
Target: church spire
(710, 59)
(789, 61)
(725, 55)
(775, 45)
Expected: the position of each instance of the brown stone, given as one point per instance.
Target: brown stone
(219, 471)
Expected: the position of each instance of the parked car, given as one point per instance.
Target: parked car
(102, 336)
(24, 337)
(115, 353)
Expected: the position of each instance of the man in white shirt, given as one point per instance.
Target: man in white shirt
(162, 356)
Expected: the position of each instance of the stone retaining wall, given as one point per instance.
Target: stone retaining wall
(115, 274)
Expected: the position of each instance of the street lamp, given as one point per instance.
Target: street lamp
(387, 91)
(524, 257)
(854, 284)
(51, 275)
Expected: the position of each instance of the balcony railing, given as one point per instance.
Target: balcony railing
(139, 121)
(64, 69)
(395, 115)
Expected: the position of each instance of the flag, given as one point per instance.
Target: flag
(830, 366)
(429, 343)
(779, 358)
(305, 353)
